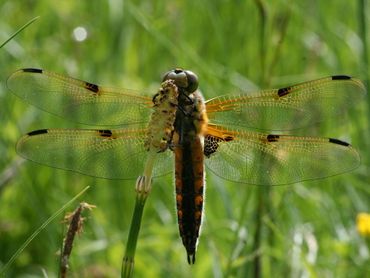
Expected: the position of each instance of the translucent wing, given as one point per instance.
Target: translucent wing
(267, 159)
(78, 100)
(287, 108)
(111, 154)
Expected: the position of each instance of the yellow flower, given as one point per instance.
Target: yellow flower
(363, 223)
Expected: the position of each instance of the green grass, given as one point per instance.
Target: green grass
(306, 229)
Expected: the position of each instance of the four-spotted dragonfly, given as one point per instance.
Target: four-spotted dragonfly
(223, 132)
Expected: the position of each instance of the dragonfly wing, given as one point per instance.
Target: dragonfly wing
(287, 108)
(111, 154)
(268, 159)
(77, 100)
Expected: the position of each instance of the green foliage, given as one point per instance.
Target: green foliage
(305, 229)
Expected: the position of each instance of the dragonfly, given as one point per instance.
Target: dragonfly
(239, 137)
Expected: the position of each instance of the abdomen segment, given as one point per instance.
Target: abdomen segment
(189, 179)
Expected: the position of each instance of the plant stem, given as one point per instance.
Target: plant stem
(129, 258)
(362, 5)
(261, 194)
(19, 30)
(262, 39)
(143, 187)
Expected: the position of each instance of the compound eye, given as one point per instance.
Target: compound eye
(184, 79)
(192, 81)
(177, 75)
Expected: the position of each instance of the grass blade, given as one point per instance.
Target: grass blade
(20, 30)
(51, 218)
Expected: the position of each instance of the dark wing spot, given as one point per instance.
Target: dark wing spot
(272, 138)
(284, 91)
(341, 77)
(37, 132)
(339, 142)
(105, 133)
(211, 144)
(92, 87)
(228, 138)
(32, 70)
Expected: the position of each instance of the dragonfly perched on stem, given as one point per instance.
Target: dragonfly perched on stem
(225, 133)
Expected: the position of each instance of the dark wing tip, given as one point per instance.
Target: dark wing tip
(14, 75)
(37, 132)
(341, 77)
(339, 142)
(32, 70)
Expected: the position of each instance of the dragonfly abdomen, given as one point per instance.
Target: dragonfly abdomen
(189, 176)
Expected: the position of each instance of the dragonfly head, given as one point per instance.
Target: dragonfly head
(185, 80)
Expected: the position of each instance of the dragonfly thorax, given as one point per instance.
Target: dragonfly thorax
(177, 97)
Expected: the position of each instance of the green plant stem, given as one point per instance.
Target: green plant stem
(143, 187)
(257, 235)
(262, 39)
(264, 192)
(128, 260)
(362, 8)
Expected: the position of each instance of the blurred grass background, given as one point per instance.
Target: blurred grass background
(307, 230)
